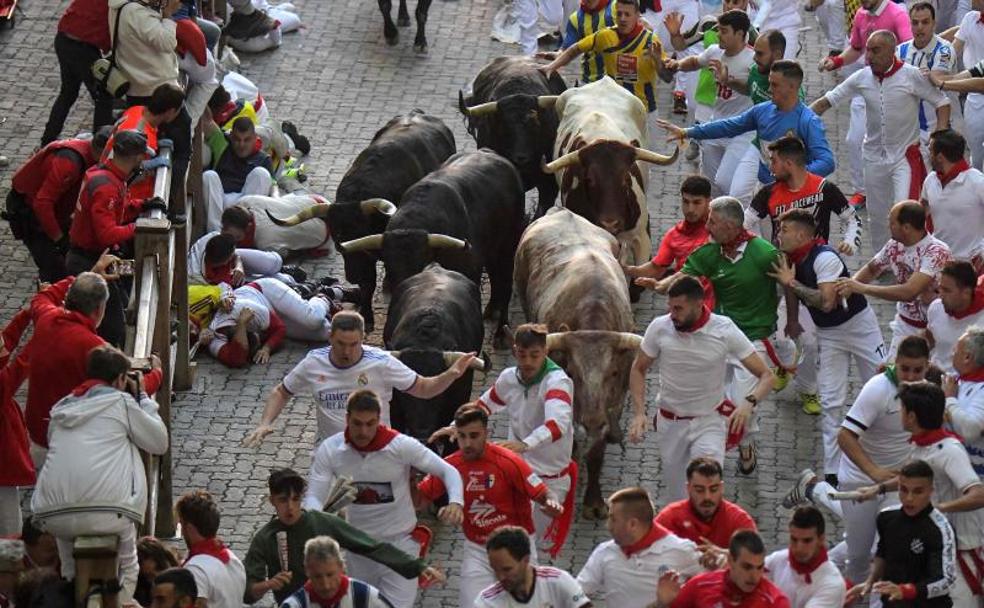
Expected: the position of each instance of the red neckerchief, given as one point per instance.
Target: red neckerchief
(690, 229)
(249, 241)
(705, 316)
(220, 273)
(732, 247)
(958, 167)
(223, 115)
(799, 254)
(655, 533)
(930, 437)
(209, 546)
(83, 388)
(631, 35)
(896, 66)
(977, 376)
(976, 304)
(591, 11)
(328, 602)
(384, 435)
(980, 18)
(807, 568)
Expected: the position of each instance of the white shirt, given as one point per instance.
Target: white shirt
(540, 415)
(875, 419)
(630, 581)
(693, 364)
(952, 476)
(383, 507)
(892, 106)
(553, 588)
(729, 102)
(966, 412)
(971, 32)
(377, 371)
(246, 296)
(928, 256)
(826, 588)
(828, 267)
(223, 585)
(946, 332)
(958, 212)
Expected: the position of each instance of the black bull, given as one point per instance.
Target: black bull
(511, 111)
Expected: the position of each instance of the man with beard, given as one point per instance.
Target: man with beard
(693, 347)
(959, 307)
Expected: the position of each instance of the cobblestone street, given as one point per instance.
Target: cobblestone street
(339, 82)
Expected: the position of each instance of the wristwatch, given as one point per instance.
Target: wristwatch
(752, 399)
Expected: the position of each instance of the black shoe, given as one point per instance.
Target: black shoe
(327, 281)
(337, 293)
(295, 272)
(831, 479)
(300, 142)
(243, 26)
(307, 290)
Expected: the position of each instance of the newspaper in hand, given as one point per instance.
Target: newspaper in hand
(342, 494)
(282, 550)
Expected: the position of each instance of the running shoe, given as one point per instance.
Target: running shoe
(796, 495)
(693, 150)
(857, 201)
(747, 459)
(782, 379)
(679, 102)
(811, 403)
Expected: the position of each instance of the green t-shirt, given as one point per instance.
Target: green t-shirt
(263, 558)
(743, 291)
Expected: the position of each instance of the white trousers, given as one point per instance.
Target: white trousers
(66, 527)
(859, 338)
(855, 140)
(10, 511)
(885, 183)
(560, 486)
(805, 380)
(680, 441)
(398, 590)
(259, 264)
(305, 319)
(974, 129)
(683, 82)
(791, 33)
(528, 12)
(741, 382)
(731, 165)
(859, 527)
(900, 331)
(258, 44)
(476, 573)
(258, 181)
(830, 16)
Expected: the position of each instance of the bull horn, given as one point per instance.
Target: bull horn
(571, 158)
(314, 211)
(443, 241)
(450, 356)
(377, 205)
(372, 242)
(657, 159)
(395, 354)
(546, 101)
(482, 109)
(556, 341)
(628, 340)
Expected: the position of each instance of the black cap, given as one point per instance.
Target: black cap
(129, 143)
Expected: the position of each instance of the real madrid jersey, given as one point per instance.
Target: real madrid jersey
(331, 386)
(552, 588)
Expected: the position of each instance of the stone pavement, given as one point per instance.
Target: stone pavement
(339, 83)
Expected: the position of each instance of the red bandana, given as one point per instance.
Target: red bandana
(655, 533)
(705, 316)
(958, 167)
(930, 437)
(691, 229)
(215, 274)
(976, 376)
(808, 568)
(83, 388)
(328, 602)
(384, 435)
(631, 35)
(896, 66)
(731, 248)
(591, 11)
(976, 304)
(799, 254)
(209, 546)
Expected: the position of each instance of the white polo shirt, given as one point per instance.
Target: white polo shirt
(223, 585)
(383, 507)
(331, 386)
(971, 32)
(693, 364)
(952, 476)
(626, 581)
(552, 588)
(728, 101)
(966, 412)
(958, 212)
(892, 106)
(825, 588)
(875, 419)
(946, 332)
(928, 256)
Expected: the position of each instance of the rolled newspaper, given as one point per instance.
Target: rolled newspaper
(282, 550)
(342, 494)
(851, 495)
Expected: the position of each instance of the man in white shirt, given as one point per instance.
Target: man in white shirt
(732, 163)
(954, 195)
(965, 395)
(520, 582)
(331, 374)
(693, 347)
(968, 43)
(959, 307)
(626, 570)
(915, 258)
(803, 571)
(380, 462)
(219, 575)
(892, 92)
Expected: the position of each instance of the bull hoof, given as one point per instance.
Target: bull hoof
(403, 20)
(594, 512)
(614, 434)
(500, 341)
(391, 34)
(420, 48)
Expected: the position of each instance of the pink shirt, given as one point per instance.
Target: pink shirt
(888, 16)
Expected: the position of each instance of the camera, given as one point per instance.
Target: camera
(110, 77)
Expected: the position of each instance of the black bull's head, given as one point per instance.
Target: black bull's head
(406, 252)
(519, 127)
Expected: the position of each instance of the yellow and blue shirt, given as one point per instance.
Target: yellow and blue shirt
(628, 60)
(582, 24)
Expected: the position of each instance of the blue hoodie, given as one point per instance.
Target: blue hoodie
(771, 123)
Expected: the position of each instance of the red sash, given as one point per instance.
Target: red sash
(560, 526)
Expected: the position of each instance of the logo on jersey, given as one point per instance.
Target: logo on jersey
(534, 479)
(916, 546)
(484, 515)
(363, 380)
(478, 481)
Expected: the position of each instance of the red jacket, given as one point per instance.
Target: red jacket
(62, 340)
(133, 120)
(99, 215)
(16, 466)
(50, 181)
(87, 21)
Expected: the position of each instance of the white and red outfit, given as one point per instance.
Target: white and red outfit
(681, 519)
(966, 412)
(716, 589)
(219, 575)
(627, 576)
(693, 367)
(971, 33)
(677, 243)
(817, 584)
(956, 203)
(498, 489)
(383, 508)
(928, 256)
(893, 164)
(541, 415)
(351, 593)
(256, 263)
(947, 328)
(330, 386)
(552, 588)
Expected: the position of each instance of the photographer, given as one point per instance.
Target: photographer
(93, 480)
